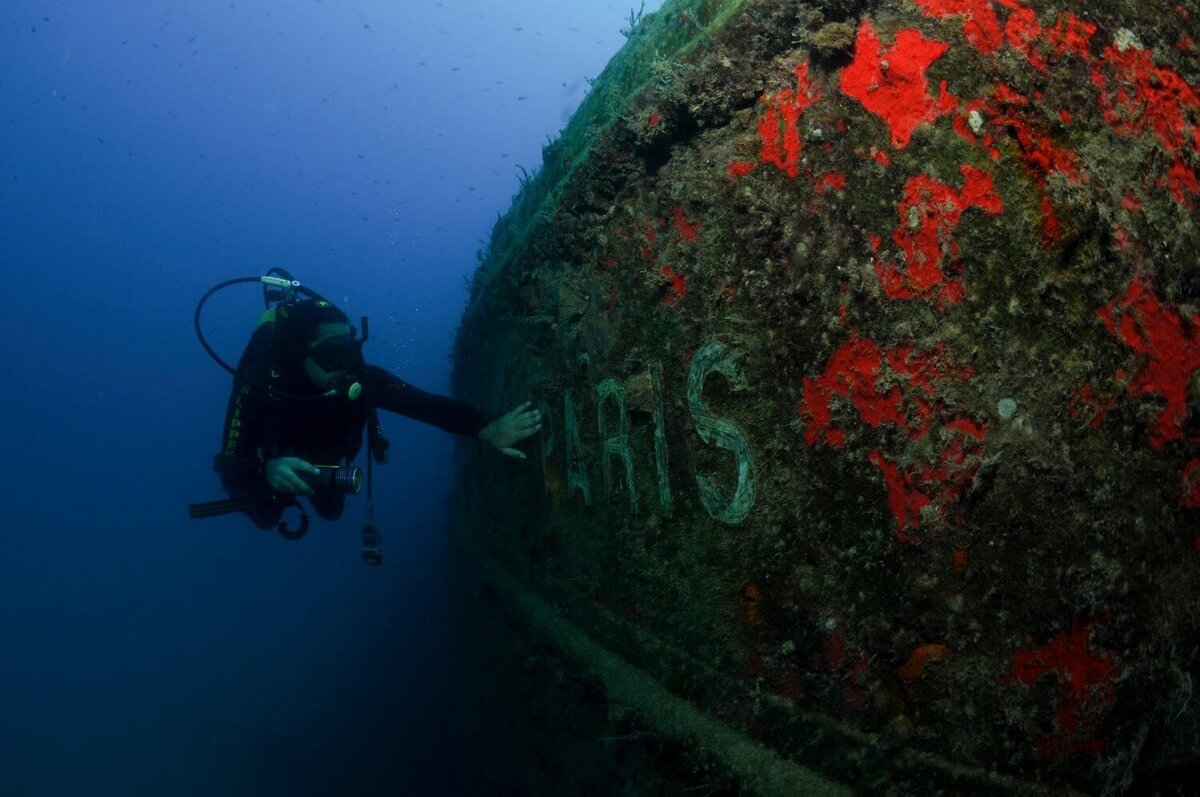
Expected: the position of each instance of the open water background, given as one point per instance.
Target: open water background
(149, 149)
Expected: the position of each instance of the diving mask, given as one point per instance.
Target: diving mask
(339, 360)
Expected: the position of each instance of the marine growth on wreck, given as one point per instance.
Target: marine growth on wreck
(867, 334)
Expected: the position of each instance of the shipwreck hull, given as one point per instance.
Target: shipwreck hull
(866, 336)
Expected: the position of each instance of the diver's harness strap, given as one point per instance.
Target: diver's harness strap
(377, 450)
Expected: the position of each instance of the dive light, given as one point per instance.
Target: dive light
(344, 479)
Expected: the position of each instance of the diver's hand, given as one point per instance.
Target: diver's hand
(512, 428)
(283, 475)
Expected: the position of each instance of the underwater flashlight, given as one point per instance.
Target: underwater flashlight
(344, 479)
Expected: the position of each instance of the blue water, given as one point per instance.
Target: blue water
(148, 150)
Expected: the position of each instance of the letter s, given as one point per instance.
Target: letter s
(717, 357)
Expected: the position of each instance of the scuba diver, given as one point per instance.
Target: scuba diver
(302, 395)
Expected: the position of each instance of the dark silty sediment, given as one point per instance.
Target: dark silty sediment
(867, 335)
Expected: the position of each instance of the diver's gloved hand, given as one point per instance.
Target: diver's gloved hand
(284, 475)
(512, 428)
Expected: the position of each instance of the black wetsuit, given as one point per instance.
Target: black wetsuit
(323, 431)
